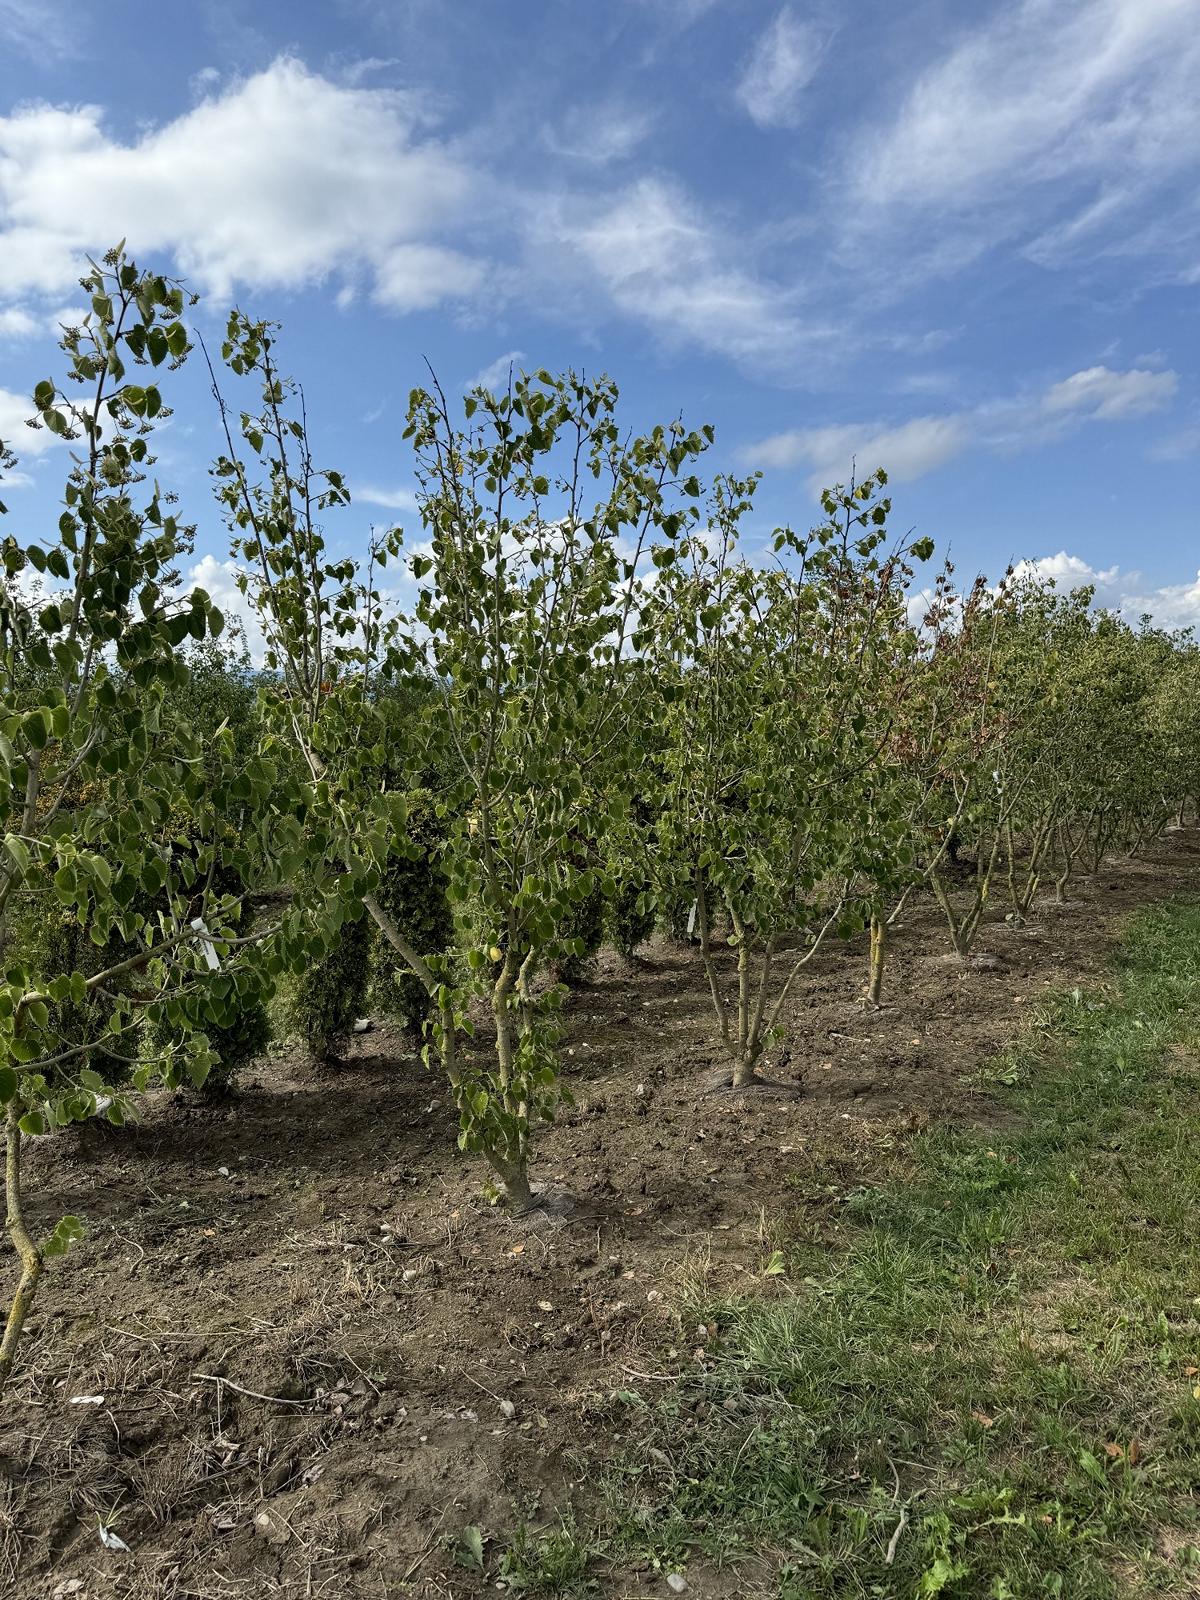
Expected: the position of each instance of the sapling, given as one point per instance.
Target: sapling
(773, 812)
(538, 518)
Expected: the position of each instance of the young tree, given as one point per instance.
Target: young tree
(109, 815)
(775, 814)
(538, 517)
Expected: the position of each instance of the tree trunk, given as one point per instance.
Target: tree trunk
(743, 1071)
(29, 1254)
(878, 951)
(514, 1180)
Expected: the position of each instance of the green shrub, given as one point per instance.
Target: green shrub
(238, 1045)
(322, 1002)
(62, 945)
(632, 917)
(586, 926)
(240, 1039)
(413, 893)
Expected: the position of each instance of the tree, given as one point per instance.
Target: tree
(110, 817)
(538, 519)
(775, 815)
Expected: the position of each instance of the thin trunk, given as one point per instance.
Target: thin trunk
(710, 966)
(1011, 843)
(1060, 884)
(1033, 873)
(878, 950)
(747, 1051)
(512, 1166)
(28, 1253)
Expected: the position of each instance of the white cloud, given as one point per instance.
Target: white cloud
(782, 64)
(598, 134)
(1059, 122)
(414, 277)
(1180, 446)
(1172, 605)
(219, 580)
(1067, 571)
(15, 411)
(1100, 392)
(495, 375)
(16, 322)
(390, 499)
(652, 251)
(910, 449)
(907, 451)
(684, 12)
(280, 180)
(38, 29)
(27, 322)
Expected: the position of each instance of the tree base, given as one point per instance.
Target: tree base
(554, 1206)
(983, 961)
(721, 1082)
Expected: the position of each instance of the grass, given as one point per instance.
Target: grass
(993, 1390)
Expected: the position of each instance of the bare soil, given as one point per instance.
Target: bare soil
(299, 1349)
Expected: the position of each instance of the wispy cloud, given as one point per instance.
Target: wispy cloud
(782, 64)
(1100, 392)
(655, 256)
(398, 499)
(1054, 124)
(35, 28)
(495, 375)
(1182, 445)
(599, 133)
(910, 449)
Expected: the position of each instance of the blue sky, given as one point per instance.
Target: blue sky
(957, 238)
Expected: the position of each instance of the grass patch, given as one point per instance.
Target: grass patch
(992, 1391)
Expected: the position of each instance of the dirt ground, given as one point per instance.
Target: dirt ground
(298, 1349)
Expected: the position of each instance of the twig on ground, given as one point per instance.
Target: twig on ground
(253, 1394)
(894, 1541)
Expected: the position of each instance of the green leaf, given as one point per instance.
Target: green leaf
(67, 1231)
(18, 852)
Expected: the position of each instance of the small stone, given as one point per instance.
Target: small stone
(507, 1410)
(676, 1582)
(271, 1528)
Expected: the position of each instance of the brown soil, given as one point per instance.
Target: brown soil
(420, 1362)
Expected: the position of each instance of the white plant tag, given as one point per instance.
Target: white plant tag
(210, 949)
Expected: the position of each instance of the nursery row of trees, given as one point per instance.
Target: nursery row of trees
(592, 698)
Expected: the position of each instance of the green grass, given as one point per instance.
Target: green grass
(999, 1359)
